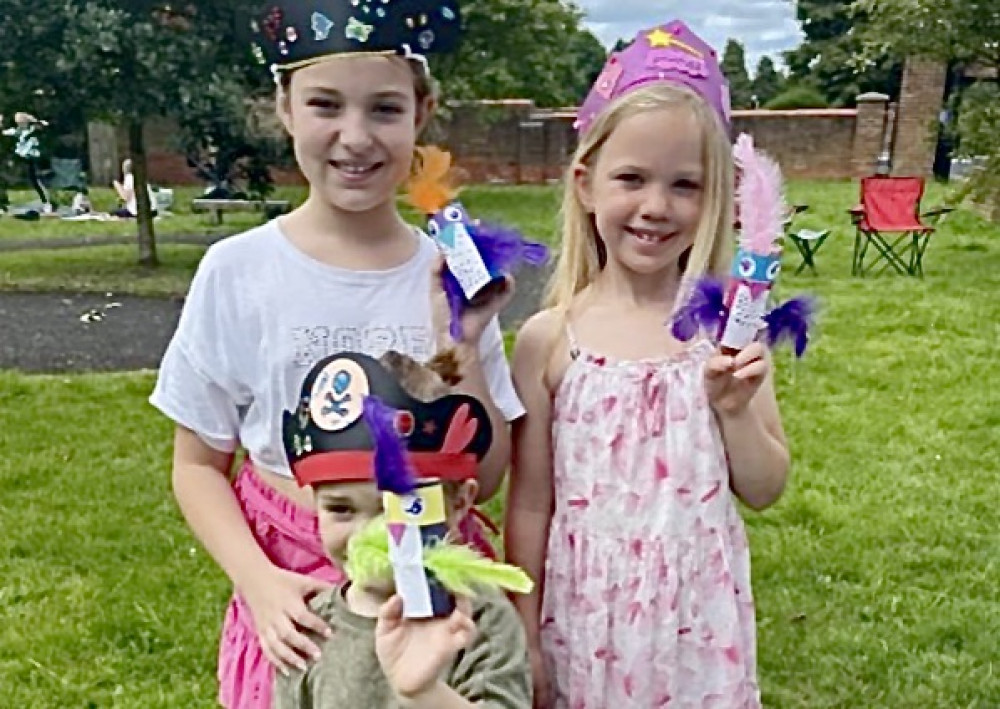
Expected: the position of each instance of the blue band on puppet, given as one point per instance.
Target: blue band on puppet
(501, 250)
(734, 314)
(755, 268)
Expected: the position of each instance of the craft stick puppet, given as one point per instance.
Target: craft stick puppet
(478, 255)
(355, 422)
(736, 312)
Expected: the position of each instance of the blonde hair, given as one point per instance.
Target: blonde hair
(581, 255)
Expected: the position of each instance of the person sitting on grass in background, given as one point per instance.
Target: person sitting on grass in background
(386, 649)
(129, 208)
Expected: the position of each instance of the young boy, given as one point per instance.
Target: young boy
(375, 657)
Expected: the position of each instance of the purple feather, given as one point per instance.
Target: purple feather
(456, 303)
(705, 309)
(504, 249)
(791, 320)
(392, 468)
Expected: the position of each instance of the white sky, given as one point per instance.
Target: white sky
(763, 26)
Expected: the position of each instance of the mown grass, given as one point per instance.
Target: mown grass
(876, 575)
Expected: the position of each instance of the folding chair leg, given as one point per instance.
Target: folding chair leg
(919, 246)
(889, 252)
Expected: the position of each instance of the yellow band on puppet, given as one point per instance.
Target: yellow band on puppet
(425, 506)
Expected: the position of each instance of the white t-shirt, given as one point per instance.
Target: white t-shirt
(132, 203)
(260, 313)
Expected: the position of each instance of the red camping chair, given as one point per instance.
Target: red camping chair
(889, 219)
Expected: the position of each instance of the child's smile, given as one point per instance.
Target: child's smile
(646, 195)
(353, 122)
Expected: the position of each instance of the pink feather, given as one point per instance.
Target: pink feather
(760, 197)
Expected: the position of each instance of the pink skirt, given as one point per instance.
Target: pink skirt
(289, 535)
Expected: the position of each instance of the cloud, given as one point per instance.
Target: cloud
(763, 26)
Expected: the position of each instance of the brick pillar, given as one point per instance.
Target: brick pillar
(869, 133)
(920, 101)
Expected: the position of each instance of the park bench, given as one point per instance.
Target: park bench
(217, 207)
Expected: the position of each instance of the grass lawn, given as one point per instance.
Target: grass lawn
(876, 575)
(113, 268)
(181, 221)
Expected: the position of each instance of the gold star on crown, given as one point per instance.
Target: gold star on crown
(660, 39)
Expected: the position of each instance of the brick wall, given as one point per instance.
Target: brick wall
(517, 144)
(513, 141)
(813, 143)
(508, 141)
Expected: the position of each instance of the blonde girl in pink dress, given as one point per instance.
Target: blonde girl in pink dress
(635, 446)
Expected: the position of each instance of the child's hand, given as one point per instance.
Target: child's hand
(476, 316)
(731, 382)
(280, 615)
(413, 652)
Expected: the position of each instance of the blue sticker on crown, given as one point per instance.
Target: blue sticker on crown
(321, 26)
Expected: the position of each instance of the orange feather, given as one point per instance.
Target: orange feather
(431, 186)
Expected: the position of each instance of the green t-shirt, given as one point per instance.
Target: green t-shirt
(493, 671)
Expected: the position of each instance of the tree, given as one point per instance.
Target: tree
(734, 66)
(29, 49)
(123, 61)
(831, 57)
(622, 44)
(767, 82)
(135, 59)
(965, 34)
(533, 49)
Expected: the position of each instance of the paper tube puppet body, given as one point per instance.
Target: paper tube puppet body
(416, 521)
(477, 255)
(355, 422)
(734, 313)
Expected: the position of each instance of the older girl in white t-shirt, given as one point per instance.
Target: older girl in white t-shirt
(341, 272)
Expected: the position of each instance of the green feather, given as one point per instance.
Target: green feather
(458, 568)
(368, 553)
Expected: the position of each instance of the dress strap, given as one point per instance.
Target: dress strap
(574, 347)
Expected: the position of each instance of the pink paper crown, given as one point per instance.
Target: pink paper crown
(670, 52)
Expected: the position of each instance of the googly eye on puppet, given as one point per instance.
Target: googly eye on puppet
(477, 255)
(363, 424)
(735, 313)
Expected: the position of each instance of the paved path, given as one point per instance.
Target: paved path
(43, 332)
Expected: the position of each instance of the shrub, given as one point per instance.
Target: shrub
(797, 97)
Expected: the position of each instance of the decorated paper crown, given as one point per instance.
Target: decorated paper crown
(737, 311)
(477, 254)
(292, 34)
(355, 423)
(671, 53)
(351, 414)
